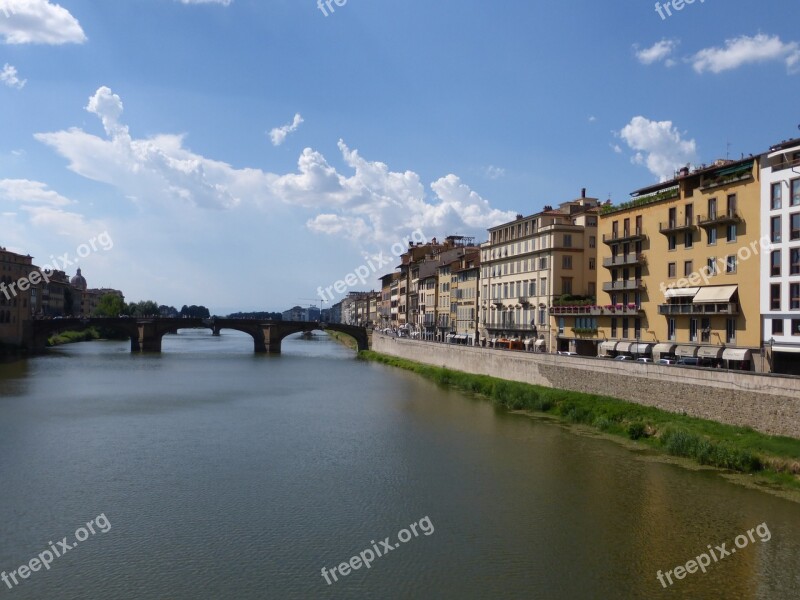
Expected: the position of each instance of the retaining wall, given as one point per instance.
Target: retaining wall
(767, 403)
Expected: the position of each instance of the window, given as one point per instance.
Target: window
(542, 317)
(625, 328)
(712, 236)
(543, 286)
(731, 205)
(692, 330)
(795, 197)
(730, 232)
(795, 326)
(794, 296)
(613, 327)
(567, 240)
(543, 263)
(730, 264)
(712, 208)
(775, 229)
(532, 288)
(775, 296)
(566, 285)
(794, 261)
(592, 264)
(688, 239)
(637, 328)
(671, 270)
(775, 263)
(566, 262)
(777, 326)
(592, 289)
(689, 218)
(705, 330)
(794, 226)
(671, 330)
(730, 331)
(673, 218)
(673, 241)
(776, 196)
(688, 267)
(592, 241)
(712, 265)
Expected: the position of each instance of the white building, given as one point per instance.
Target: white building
(780, 262)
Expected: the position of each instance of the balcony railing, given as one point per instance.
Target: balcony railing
(625, 236)
(632, 258)
(786, 165)
(513, 327)
(623, 285)
(523, 300)
(722, 308)
(722, 218)
(675, 227)
(596, 311)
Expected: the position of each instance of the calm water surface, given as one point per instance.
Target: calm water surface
(229, 475)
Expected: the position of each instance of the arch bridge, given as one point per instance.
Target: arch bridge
(146, 334)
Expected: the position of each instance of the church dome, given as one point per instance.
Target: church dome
(78, 282)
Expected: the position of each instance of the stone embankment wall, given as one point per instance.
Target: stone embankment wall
(767, 403)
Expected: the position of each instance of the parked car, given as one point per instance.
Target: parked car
(665, 361)
(623, 357)
(564, 353)
(688, 361)
(644, 360)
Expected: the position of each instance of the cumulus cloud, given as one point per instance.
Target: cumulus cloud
(745, 50)
(26, 191)
(659, 146)
(9, 76)
(658, 52)
(493, 172)
(367, 204)
(278, 134)
(38, 22)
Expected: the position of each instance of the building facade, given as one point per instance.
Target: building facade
(780, 267)
(680, 271)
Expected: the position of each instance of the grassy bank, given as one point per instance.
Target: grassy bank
(71, 337)
(774, 460)
(343, 339)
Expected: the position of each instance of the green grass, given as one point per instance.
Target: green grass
(343, 338)
(71, 337)
(738, 449)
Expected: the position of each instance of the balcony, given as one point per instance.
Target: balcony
(621, 260)
(671, 227)
(596, 311)
(627, 235)
(724, 218)
(786, 165)
(523, 300)
(622, 285)
(723, 308)
(513, 327)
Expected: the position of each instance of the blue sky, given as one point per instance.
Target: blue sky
(242, 154)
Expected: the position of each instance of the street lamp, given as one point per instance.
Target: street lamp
(771, 360)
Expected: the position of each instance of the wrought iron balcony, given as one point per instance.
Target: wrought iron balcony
(721, 308)
(626, 235)
(671, 227)
(621, 260)
(623, 285)
(723, 218)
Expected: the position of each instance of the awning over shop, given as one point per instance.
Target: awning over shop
(718, 293)
(661, 349)
(608, 346)
(539, 343)
(681, 292)
(641, 348)
(686, 351)
(793, 349)
(624, 346)
(710, 352)
(736, 354)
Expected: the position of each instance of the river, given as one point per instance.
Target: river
(223, 474)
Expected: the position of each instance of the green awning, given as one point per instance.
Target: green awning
(736, 169)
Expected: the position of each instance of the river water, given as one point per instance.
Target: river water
(221, 474)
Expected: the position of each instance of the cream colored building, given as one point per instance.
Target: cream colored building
(680, 270)
(531, 264)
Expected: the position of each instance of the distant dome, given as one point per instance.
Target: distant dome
(78, 282)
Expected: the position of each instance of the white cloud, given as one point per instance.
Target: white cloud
(616, 148)
(222, 2)
(592, 118)
(747, 50)
(493, 172)
(9, 76)
(369, 205)
(659, 146)
(26, 191)
(660, 51)
(279, 134)
(38, 22)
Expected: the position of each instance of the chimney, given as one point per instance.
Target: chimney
(583, 192)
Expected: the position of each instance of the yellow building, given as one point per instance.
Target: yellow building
(680, 269)
(18, 294)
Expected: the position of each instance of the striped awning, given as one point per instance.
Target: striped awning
(736, 354)
(663, 349)
(686, 351)
(608, 346)
(624, 346)
(710, 352)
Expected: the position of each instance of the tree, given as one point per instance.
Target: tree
(143, 308)
(110, 305)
